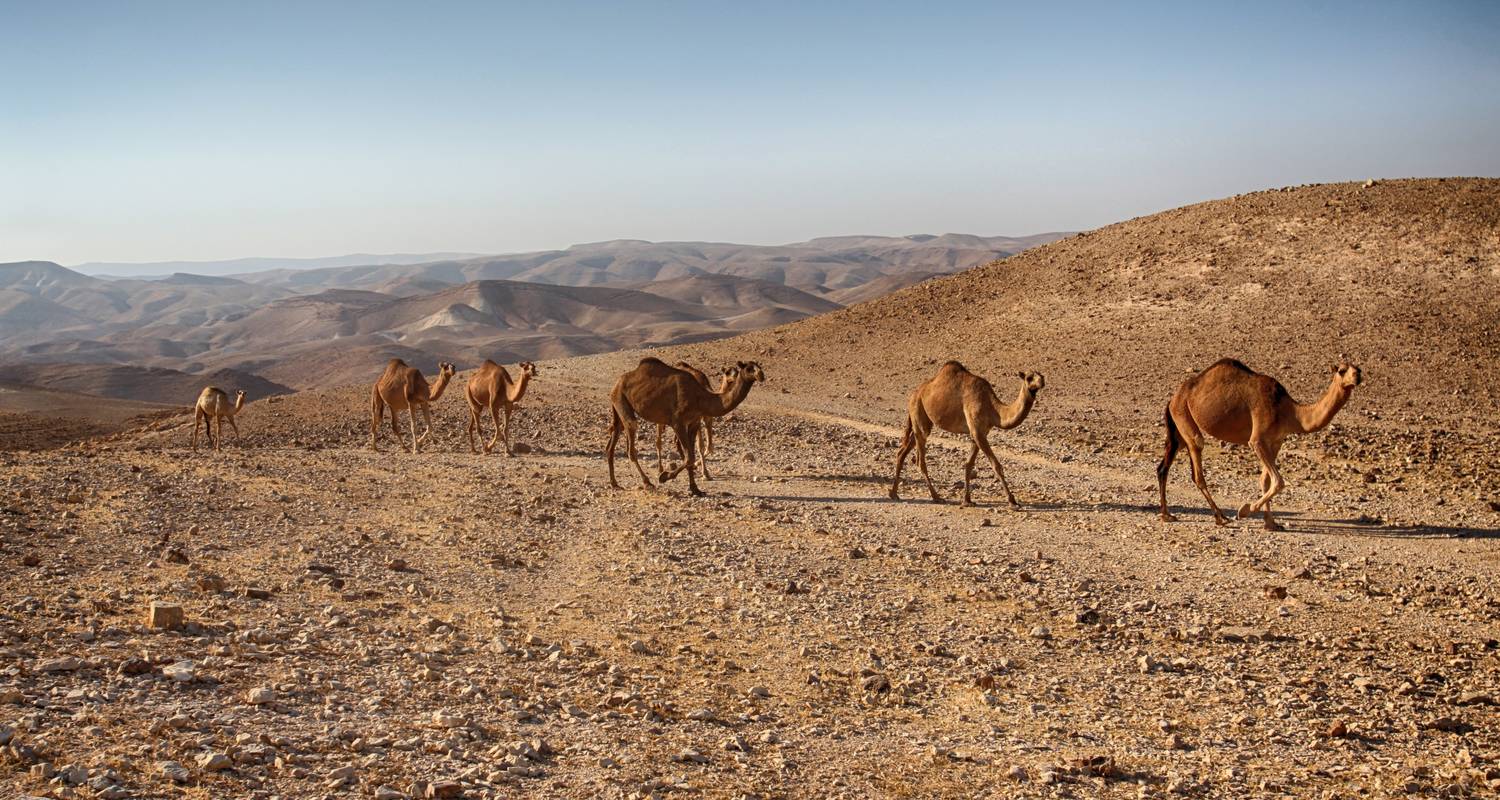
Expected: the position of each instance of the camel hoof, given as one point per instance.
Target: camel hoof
(966, 503)
(937, 499)
(1274, 526)
(894, 494)
(1165, 517)
(1244, 511)
(663, 477)
(1221, 520)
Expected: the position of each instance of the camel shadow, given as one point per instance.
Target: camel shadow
(1363, 527)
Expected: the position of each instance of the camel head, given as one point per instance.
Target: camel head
(750, 370)
(528, 369)
(445, 369)
(239, 394)
(1348, 375)
(1033, 380)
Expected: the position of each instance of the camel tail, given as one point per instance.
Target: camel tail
(1174, 441)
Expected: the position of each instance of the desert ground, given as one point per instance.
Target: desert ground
(446, 624)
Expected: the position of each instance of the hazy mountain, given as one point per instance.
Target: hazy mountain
(241, 265)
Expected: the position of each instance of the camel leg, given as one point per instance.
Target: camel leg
(1165, 465)
(969, 475)
(702, 454)
(219, 434)
(426, 419)
(922, 463)
(908, 441)
(1195, 457)
(473, 426)
(377, 410)
(609, 448)
(197, 417)
(984, 444)
(630, 434)
(1267, 456)
(688, 440)
(506, 437)
(236, 428)
(660, 430)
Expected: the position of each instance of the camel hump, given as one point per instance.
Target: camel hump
(1232, 363)
(950, 364)
(652, 361)
(395, 362)
(212, 390)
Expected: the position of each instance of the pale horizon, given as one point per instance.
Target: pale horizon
(216, 133)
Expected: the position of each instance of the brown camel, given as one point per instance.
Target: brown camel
(1234, 403)
(213, 404)
(669, 396)
(958, 401)
(491, 387)
(402, 388)
(706, 432)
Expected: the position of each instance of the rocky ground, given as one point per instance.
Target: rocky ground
(443, 625)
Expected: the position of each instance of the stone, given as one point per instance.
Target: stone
(256, 593)
(1243, 634)
(174, 771)
(1041, 632)
(64, 664)
(214, 762)
(1475, 699)
(166, 616)
(6, 734)
(339, 777)
(759, 692)
(181, 671)
(446, 719)
(210, 583)
(444, 789)
(1337, 730)
(134, 666)
(261, 695)
(690, 756)
(389, 793)
(1016, 773)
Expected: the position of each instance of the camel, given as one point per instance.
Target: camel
(958, 401)
(706, 432)
(402, 387)
(669, 396)
(213, 404)
(1234, 403)
(491, 387)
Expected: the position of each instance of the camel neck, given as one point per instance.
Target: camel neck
(733, 395)
(1316, 416)
(517, 389)
(438, 387)
(1015, 412)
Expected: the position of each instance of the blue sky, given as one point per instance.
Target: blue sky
(154, 131)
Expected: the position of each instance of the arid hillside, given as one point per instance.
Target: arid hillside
(390, 625)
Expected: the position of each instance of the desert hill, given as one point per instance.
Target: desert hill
(513, 626)
(1402, 277)
(142, 384)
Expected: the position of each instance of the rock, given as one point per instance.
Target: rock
(396, 565)
(1016, 773)
(261, 695)
(1275, 593)
(166, 616)
(441, 789)
(736, 743)
(210, 583)
(690, 756)
(176, 556)
(639, 647)
(1337, 730)
(1041, 632)
(1475, 699)
(181, 671)
(134, 666)
(759, 692)
(256, 593)
(389, 793)
(214, 762)
(30, 560)
(339, 777)
(1088, 616)
(856, 552)
(64, 664)
(174, 771)
(6, 734)
(446, 719)
(1243, 634)
(608, 763)
(1446, 724)
(1175, 742)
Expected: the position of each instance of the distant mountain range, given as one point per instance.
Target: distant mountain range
(315, 322)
